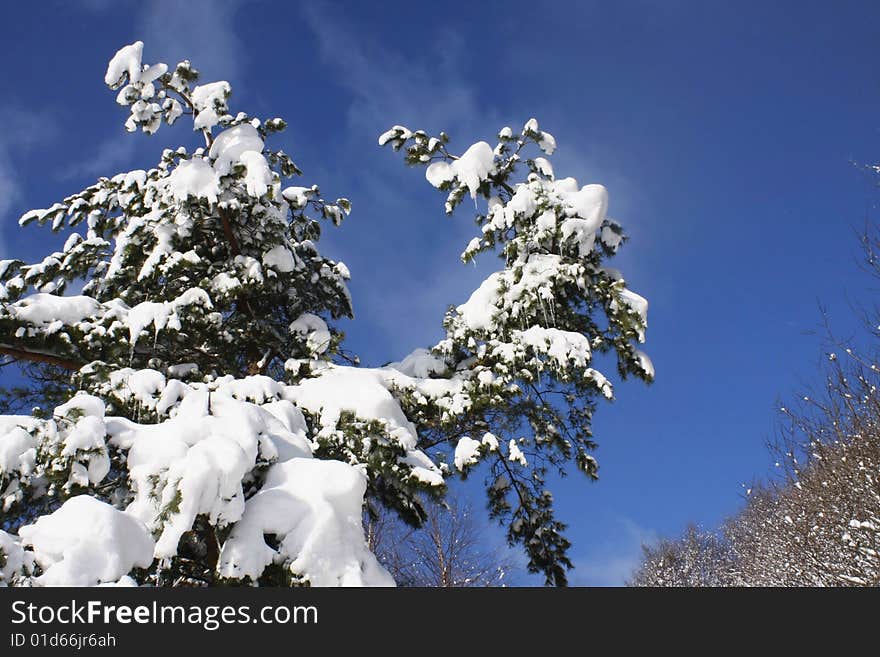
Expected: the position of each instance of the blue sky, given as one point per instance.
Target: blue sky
(728, 134)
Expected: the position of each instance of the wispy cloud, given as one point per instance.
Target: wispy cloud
(22, 131)
(10, 192)
(433, 89)
(112, 154)
(426, 93)
(612, 562)
(405, 302)
(202, 31)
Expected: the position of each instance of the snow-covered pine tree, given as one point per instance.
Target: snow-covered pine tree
(204, 291)
(522, 345)
(216, 433)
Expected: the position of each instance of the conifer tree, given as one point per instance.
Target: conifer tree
(523, 344)
(209, 429)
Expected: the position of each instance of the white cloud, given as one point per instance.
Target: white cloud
(428, 90)
(202, 31)
(10, 190)
(111, 154)
(613, 561)
(389, 87)
(22, 131)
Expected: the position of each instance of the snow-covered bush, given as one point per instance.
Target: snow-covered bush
(210, 429)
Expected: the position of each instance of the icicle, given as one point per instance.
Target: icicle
(543, 309)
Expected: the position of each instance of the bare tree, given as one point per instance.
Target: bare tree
(697, 558)
(449, 550)
(818, 522)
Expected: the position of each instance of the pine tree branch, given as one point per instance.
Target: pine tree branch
(501, 183)
(227, 231)
(206, 132)
(254, 366)
(38, 357)
(236, 251)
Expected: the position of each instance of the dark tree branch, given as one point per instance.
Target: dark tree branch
(37, 357)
